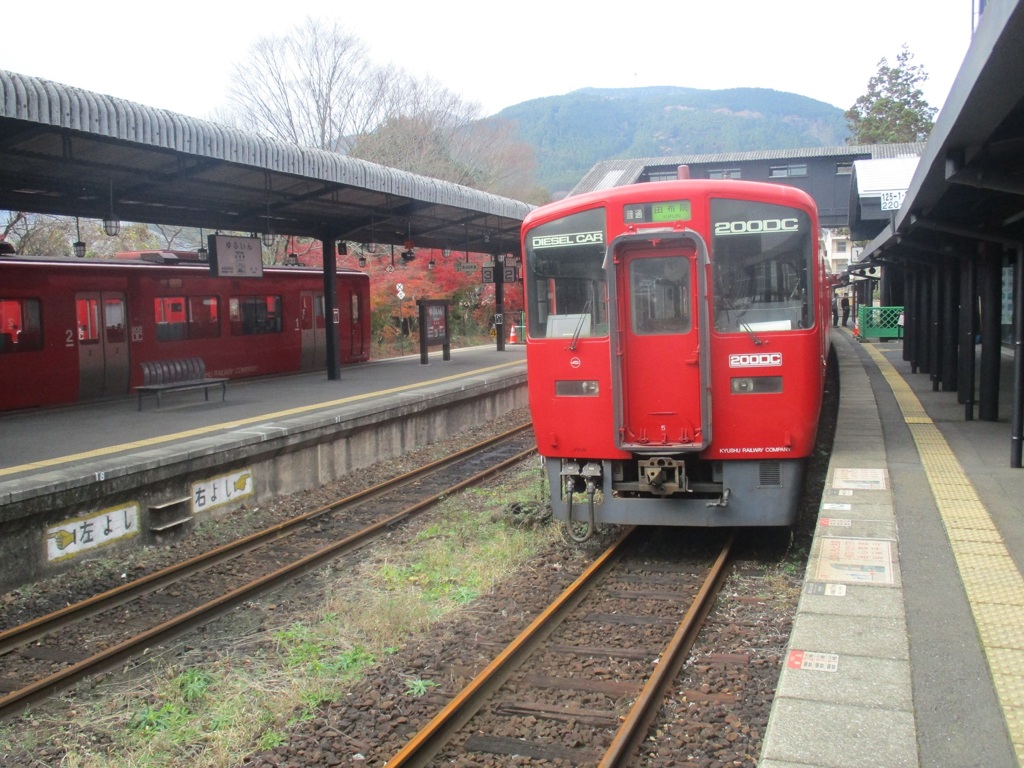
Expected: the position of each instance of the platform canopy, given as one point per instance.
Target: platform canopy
(67, 151)
(877, 190)
(968, 187)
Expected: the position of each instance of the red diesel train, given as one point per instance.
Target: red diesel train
(74, 330)
(677, 338)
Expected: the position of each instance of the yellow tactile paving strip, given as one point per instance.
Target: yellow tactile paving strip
(994, 586)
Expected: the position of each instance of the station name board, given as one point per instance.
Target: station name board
(232, 256)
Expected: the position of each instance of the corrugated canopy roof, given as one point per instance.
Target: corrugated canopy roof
(617, 173)
(873, 177)
(63, 150)
(969, 185)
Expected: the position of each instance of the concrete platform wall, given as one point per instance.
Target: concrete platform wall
(52, 521)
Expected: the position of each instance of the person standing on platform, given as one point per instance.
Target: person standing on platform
(845, 304)
(835, 310)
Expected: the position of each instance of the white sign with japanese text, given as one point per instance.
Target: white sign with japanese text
(235, 256)
(223, 489)
(72, 537)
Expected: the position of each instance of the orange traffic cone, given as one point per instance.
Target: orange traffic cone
(856, 327)
(513, 337)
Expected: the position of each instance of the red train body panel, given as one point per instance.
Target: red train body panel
(677, 336)
(73, 330)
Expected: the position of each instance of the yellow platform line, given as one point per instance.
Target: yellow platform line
(199, 431)
(994, 585)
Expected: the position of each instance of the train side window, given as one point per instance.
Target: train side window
(203, 317)
(306, 316)
(87, 312)
(113, 317)
(255, 315)
(20, 325)
(355, 309)
(169, 315)
(660, 300)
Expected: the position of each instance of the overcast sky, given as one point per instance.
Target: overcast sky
(180, 55)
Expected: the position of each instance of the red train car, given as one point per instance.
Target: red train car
(76, 330)
(677, 337)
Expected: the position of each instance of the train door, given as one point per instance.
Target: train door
(343, 324)
(661, 344)
(103, 360)
(356, 325)
(311, 325)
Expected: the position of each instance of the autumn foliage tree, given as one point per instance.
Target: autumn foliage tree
(316, 86)
(472, 302)
(894, 109)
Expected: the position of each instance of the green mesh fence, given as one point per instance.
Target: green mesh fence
(880, 322)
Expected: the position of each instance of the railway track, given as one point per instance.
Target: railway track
(624, 613)
(52, 652)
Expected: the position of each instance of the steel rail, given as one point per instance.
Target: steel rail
(634, 728)
(214, 608)
(422, 748)
(44, 625)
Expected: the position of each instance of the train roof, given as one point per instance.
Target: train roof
(156, 260)
(648, 190)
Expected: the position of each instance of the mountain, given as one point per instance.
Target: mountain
(570, 133)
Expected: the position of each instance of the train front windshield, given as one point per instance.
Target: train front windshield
(567, 292)
(762, 258)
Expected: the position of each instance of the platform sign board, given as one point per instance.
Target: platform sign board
(812, 661)
(80, 534)
(855, 561)
(434, 327)
(892, 200)
(235, 256)
(860, 479)
(824, 588)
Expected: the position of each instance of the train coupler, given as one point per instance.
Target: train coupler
(662, 476)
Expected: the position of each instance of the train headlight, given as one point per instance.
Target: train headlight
(755, 385)
(576, 389)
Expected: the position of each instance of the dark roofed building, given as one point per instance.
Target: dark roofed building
(825, 173)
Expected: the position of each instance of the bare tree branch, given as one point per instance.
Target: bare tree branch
(316, 87)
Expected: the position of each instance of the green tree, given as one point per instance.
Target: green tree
(894, 108)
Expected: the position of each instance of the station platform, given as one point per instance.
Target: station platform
(908, 644)
(118, 427)
(71, 473)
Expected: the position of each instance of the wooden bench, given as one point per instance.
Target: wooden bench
(176, 376)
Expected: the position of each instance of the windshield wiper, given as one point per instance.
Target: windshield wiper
(579, 327)
(750, 331)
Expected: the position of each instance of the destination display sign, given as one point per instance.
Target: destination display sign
(657, 213)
